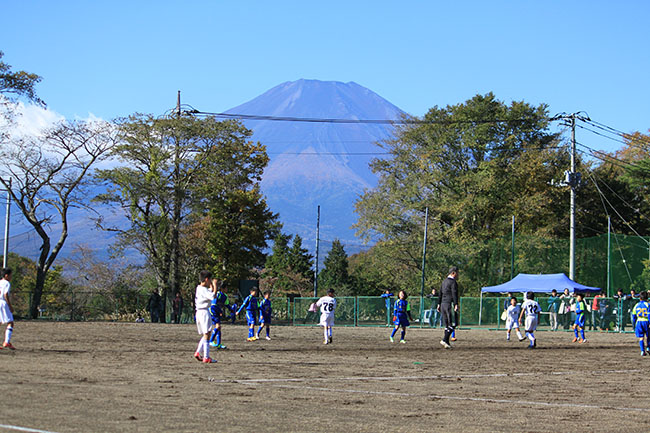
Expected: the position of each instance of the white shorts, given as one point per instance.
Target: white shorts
(5, 313)
(326, 320)
(203, 322)
(511, 324)
(531, 323)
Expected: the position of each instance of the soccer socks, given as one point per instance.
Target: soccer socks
(206, 349)
(199, 348)
(213, 335)
(519, 334)
(251, 332)
(453, 333)
(325, 333)
(641, 345)
(507, 336)
(218, 336)
(392, 334)
(268, 331)
(575, 331)
(329, 332)
(403, 334)
(582, 334)
(8, 332)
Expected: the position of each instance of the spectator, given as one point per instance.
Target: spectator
(177, 308)
(632, 300)
(605, 313)
(387, 298)
(434, 314)
(565, 308)
(154, 306)
(553, 307)
(621, 320)
(595, 311)
(139, 319)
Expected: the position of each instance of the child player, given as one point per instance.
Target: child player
(6, 310)
(579, 325)
(532, 309)
(401, 316)
(265, 315)
(205, 293)
(327, 305)
(512, 321)
(216, 312)
(641, 328)
(251, 306)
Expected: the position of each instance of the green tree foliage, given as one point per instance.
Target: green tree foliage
(335, 273)
(473, 165)
(288, 270)
(18, 84)
(184, 177)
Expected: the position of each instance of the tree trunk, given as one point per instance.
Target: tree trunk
(38, 293)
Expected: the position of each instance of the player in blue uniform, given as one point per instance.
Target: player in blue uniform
(217, 308)
(401, 315)
(251, 306)
(641, 329)
(579, 325)
(265, 315)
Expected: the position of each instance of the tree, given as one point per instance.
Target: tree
(182, 172)
(49, 174)
(473, 165)
(335, 273)
(288, 269)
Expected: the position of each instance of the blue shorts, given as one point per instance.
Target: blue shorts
(265, 318)
(641, 328)
(251, 318)
(401, 319)
(216, 319)
(580, 320)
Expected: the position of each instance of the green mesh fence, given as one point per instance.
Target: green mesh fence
(344, 315)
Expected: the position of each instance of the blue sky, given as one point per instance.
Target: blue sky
(115, 58)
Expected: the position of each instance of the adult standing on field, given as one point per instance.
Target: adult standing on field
(448, 304)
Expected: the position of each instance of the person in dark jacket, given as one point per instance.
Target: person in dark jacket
(448, 304)
(177, 308)
(154, 306)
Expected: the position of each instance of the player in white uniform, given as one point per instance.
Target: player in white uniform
(327, 305)
(531, 308)
(205, 293)
(6, 310)
(512, 321)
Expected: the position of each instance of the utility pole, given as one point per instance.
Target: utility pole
(317, 245)
(609, 252)
(6, 242)
(512, 251)
(178, 104)
(424, 250)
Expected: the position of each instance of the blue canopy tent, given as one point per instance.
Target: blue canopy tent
(536, 283)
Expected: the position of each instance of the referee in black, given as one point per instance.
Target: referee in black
(448, 295)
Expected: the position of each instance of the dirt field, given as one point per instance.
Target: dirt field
(112, 377)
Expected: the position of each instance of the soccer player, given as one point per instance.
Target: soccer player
(641, 329)
(251, 306)
(216, 312)
(387, 295)
(327, 305)
(6, 309)
(579, 325)
(512, 321)
(447, 297)
(532, 309)
(205, 293)
(265, 315)
(401, 316)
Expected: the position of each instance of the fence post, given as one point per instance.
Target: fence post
(460, 312)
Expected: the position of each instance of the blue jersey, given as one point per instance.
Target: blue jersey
(215, 311)
(401, 306)
(222, 299)
(641, 311)
(250, 304)
(581, 307)
(265, 307)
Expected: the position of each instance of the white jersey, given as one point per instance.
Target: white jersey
(327, 306)
(512, 320)
(5, 313)
(531, 308)
(203, 297)
(5, 287)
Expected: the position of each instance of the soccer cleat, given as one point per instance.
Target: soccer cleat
(392, 340)
(221, 346)
(213, 344)
(209, 360)
(644, 353)
(403, 341)
(522, 338)
(330, 340)
(575, 339)
(453, 338)
(255, 338)
(8, 346)
(325, 342)
(445, 344)
(534, 343)
(268, 338)
(531, 346)
(198, 357)
(250, 339)
(583, 341)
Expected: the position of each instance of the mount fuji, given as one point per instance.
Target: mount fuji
(324, 164)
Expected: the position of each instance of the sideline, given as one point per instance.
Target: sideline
(25, 429)
(391, 378)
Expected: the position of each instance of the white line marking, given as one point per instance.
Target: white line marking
(18, 428)
(479, 399)
(392, 378)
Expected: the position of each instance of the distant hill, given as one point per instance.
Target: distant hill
(310, 162)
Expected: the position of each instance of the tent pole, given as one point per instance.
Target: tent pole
(480, 310)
